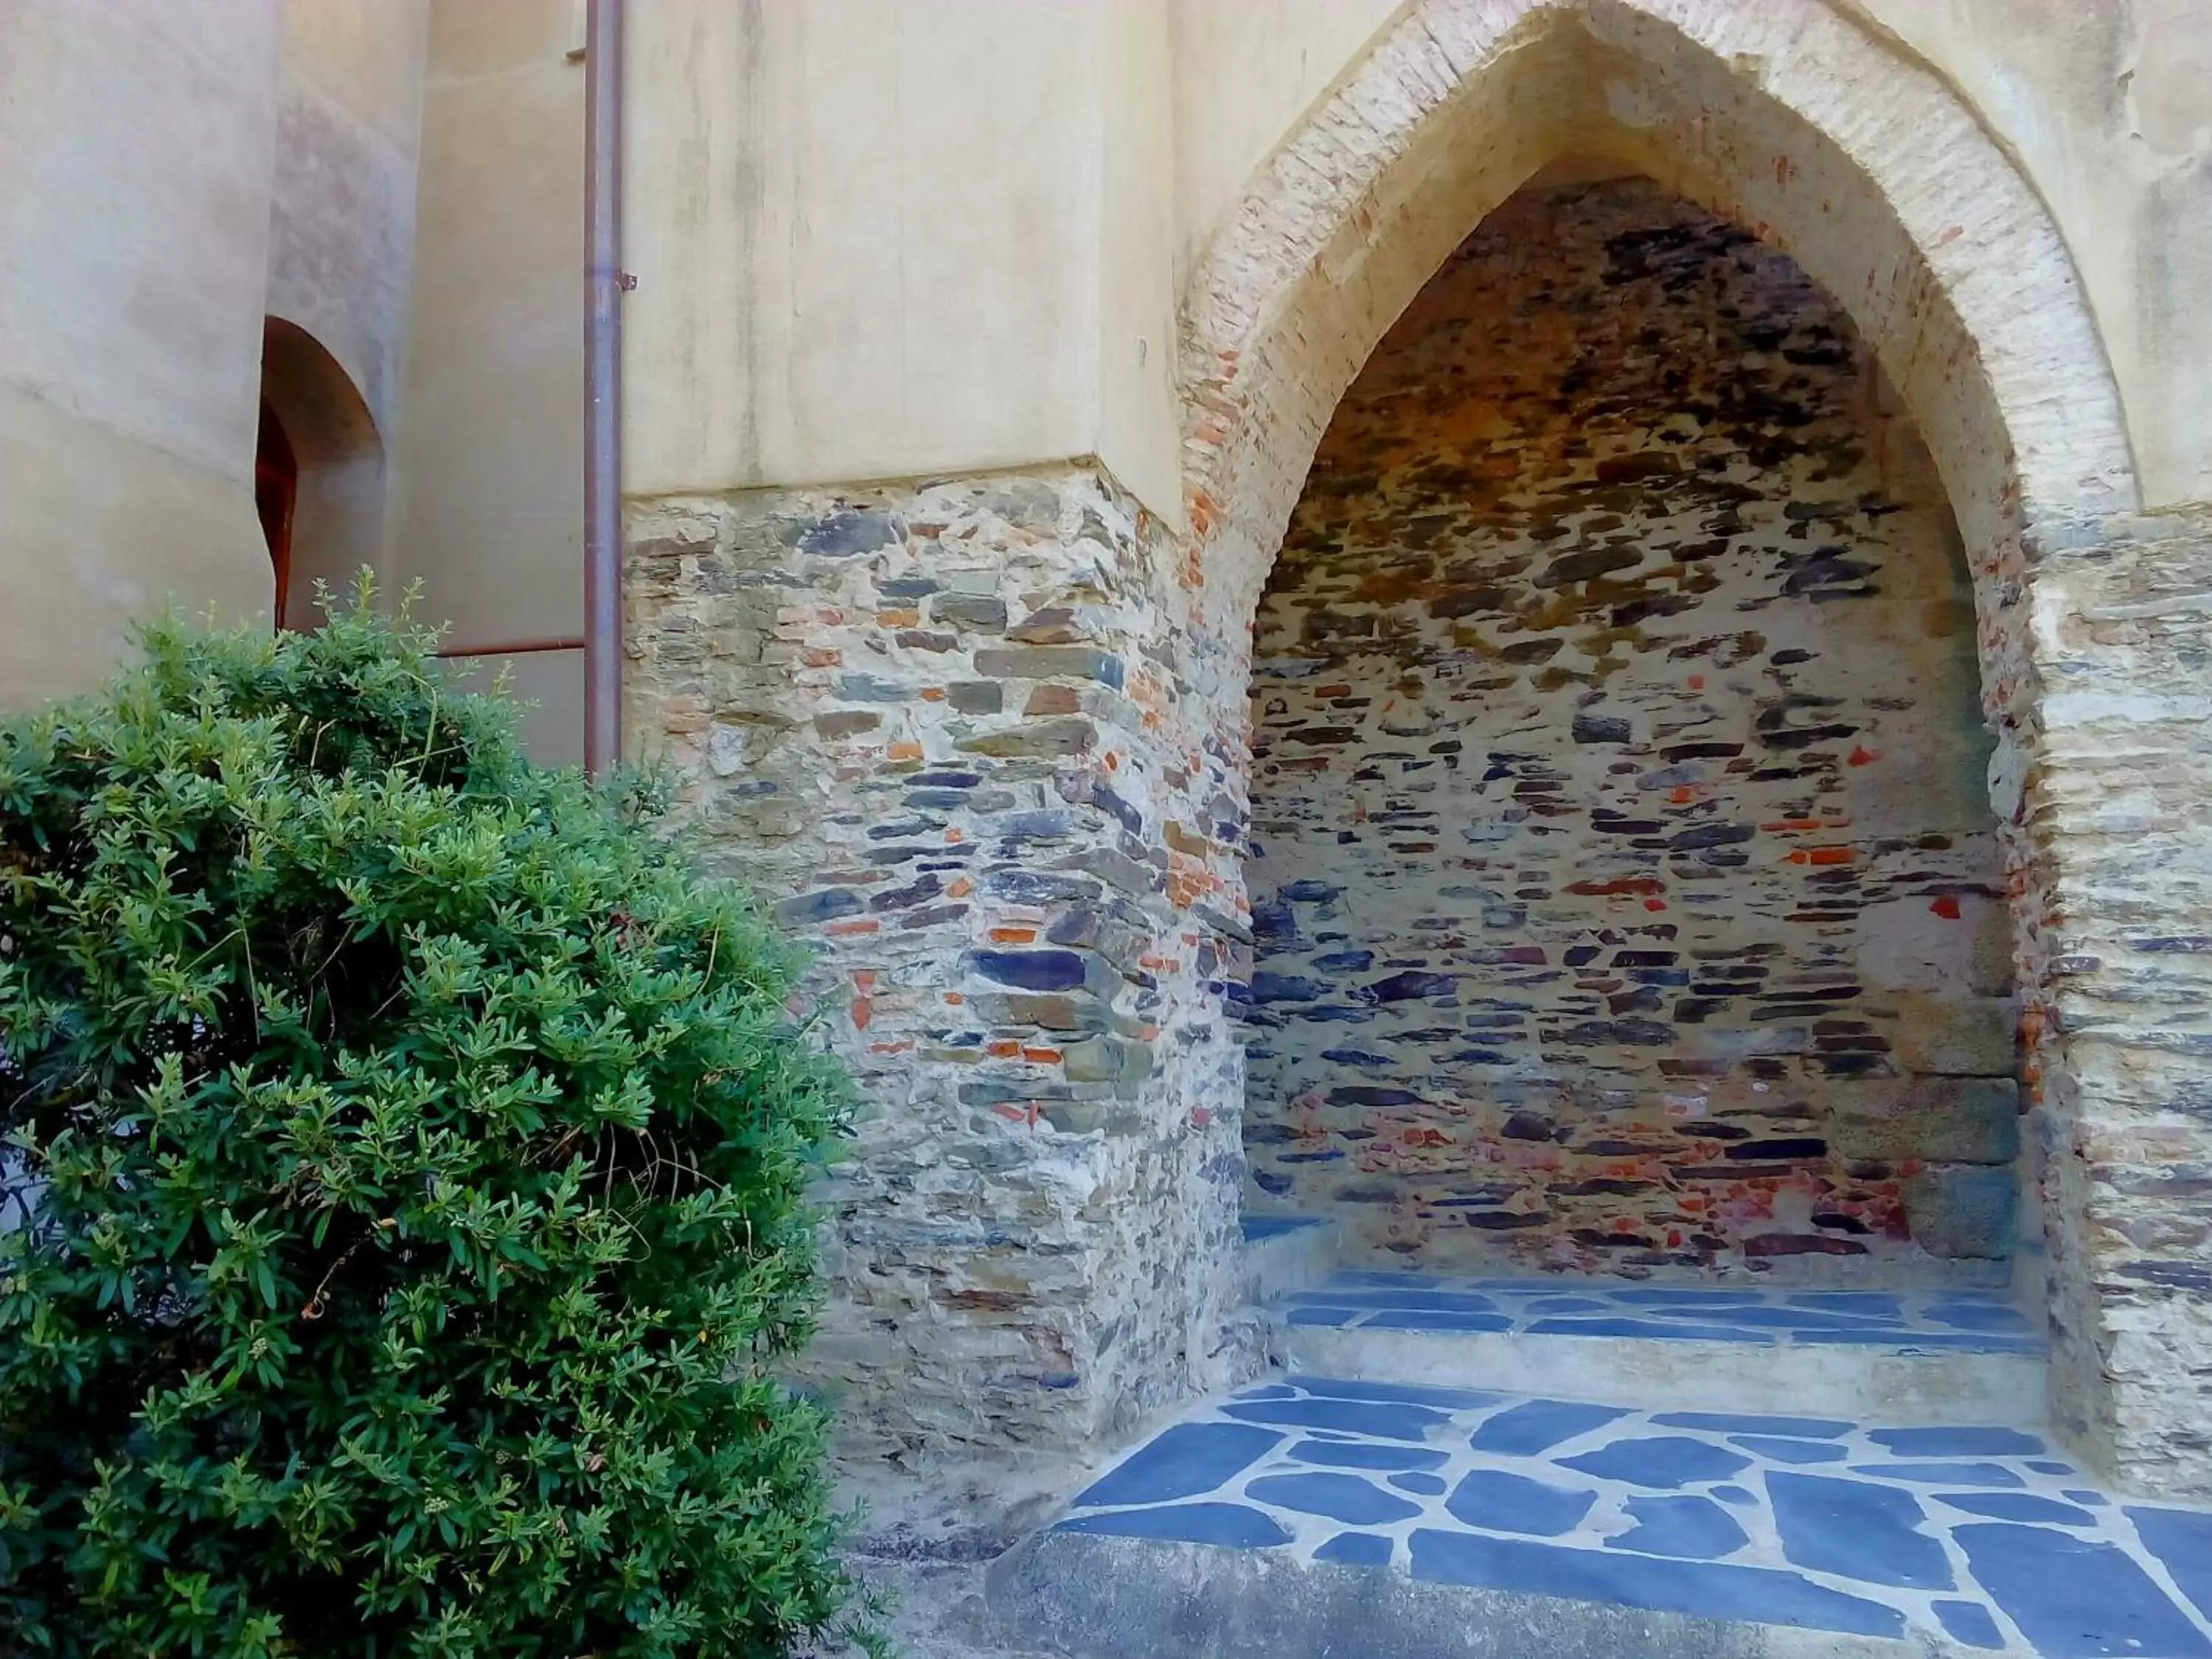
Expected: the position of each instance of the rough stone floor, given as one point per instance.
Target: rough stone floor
(1981, 1535)
(1966, 1321)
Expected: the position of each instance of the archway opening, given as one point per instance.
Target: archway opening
(275, 497)
(319, 473)
(1627, 890)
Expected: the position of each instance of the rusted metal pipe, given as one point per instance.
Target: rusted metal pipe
(603, 42)
(513, 647)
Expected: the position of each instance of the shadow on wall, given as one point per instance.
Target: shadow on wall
(319, 472)
(1626, 888)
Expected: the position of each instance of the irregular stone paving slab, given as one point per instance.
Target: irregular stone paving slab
(1357, 1549)
(1185, 1460)
(1532, 1426)
(1968, 1533)
(1665, 1461)
(1340, 1456)
(2071, 1596)
(1856, 1529)
(1956, 1443)
(1970, 1622)
(1701, 1589)
(2019, 1506)
(1937, 1320)
(1235, 1525)
(1796, 1428)
(1339, 1496)
(2183, 1540)
(1789, 1451)
(1694, 1529)
(1499, 1500)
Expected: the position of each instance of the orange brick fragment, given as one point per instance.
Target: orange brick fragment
(1819, 855)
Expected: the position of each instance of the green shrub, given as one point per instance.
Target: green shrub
(407, 1162)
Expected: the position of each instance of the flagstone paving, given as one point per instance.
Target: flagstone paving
(1984, 1536)
(1939, 1320)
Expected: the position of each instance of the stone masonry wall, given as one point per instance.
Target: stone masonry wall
(1626, 883)
(1009, 1274)
(945, 728)
(1791, 118)
(2123, 1032)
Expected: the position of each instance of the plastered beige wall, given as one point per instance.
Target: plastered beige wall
(341, 253)
(1137, 276)
(885, 237)
(490, 490)
(137, 140)
(1243, 76)
(2108, 105)
(343, 218)
(882, 238)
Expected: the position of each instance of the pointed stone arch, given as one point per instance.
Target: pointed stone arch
(1860, 163)
(1836, 147)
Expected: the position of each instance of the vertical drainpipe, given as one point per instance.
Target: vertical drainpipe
(603, 108)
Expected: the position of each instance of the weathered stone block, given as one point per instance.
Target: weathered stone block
(1032, 970)
(1106, 1060)
(1954, 1034)
(1949, 944)
(1962, 1119)
(1076, 1012)
(1601, 728)
(976, 696)
(984, 612)
(1963, 1212)
(1055, 624)
(1049, 700)
(1041, 740)
(842, 535)
(1045, 662)
(809, 910)
(1082, 1117)
(872, 688)
(847, 722)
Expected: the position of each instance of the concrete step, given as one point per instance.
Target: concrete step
(1287, 1253)
(1913, 1356)
(1345, 1519)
